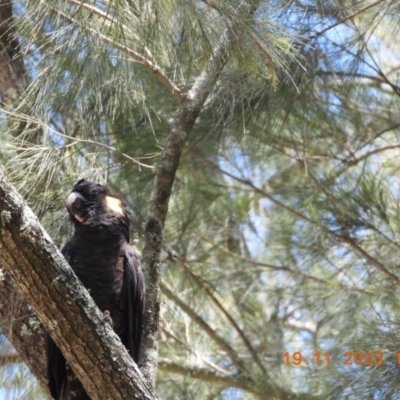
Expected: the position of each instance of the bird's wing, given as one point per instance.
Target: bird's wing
(134, 296)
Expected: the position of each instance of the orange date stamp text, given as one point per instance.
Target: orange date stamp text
(367, 358)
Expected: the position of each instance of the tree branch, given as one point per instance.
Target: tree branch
(136, 57)
(205, 375)
(357, 160)
(349, 74)
(28, 119)
(203, 325)
(231, 320)
(356, 247)
(22, 328)
(11, 358)
(215, 367)
(164, 179)
(341, 21)
(13, 78)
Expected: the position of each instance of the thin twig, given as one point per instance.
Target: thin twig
(76, 140)
(202, 324)
(379, 79)
(268, 392)
(205, 375)
(290, 270)
(217, 368)
(321, 32)
(335, 235)
(136, 57)
(6, 359)
(371, 153)
(240, 332)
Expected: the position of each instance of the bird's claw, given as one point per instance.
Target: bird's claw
(107, 318)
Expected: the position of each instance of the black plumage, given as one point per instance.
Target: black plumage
(109, 267)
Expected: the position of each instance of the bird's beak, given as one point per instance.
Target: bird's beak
(74, 203)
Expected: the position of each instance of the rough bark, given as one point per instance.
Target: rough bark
(13, 77)
(65, 308)
(18, 322)
(22, 328)
(164, 180)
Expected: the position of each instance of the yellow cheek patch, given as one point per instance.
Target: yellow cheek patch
(114, 205)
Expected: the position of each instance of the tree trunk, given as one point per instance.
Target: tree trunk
(13, 78)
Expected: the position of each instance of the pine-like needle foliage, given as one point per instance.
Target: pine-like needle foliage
(283, 227)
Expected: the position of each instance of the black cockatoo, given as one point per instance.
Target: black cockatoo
(109, 267)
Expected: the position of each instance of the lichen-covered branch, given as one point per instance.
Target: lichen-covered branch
(22, 328)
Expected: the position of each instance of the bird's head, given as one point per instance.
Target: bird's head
(93, 204)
